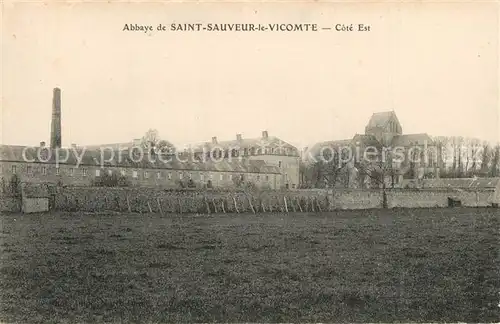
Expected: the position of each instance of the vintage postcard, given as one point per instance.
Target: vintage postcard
(165, 162)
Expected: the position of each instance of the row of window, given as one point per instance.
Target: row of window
(250, 151)
(135, 173)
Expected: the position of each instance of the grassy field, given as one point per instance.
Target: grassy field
(358, 266)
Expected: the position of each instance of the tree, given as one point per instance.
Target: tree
(152, 143)
(111, 180)
(3, 185)
(472, 157)
(15, 185)
(495, 165)
(486, 156)
(332, 169)
(377, 172)
(238, 181)
(191, 184)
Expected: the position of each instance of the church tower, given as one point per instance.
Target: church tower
(384, 126)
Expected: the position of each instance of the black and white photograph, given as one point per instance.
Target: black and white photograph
(249, 162)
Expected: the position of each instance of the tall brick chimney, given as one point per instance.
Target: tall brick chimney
(55, 133)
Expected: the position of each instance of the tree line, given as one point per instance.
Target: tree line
(460, 157)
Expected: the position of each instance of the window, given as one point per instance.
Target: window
(202, 177)
(97, 173)
(71, 172)
(279, 164)
(158, 175)
(123, 172)
(169, 176)
(230, 177)
(267, 178)
(211, 176)
(110, 172)
(258, 177)
(146, 175)
(29, 169)
(222, 177)
(57, 170)
(181, 176)
(44, 170)
(84, 172)
(14, 169)
(134, 174)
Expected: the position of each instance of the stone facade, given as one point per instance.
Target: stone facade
(269, 149)
(398, 155)
(88, 174)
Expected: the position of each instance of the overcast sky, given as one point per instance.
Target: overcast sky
(435, 65)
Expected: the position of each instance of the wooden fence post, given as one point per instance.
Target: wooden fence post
(159, 205)
(317, 204)
(222, 206)
(286, 205)
(207, 205)
(128, 205)
(215, 205)
(251, 206)
(235, 205)
(180, 205)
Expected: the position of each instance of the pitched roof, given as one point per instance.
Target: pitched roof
(380, 119)
(315, 150)
(366, 140)
(412, 139)
(269, 142)
(114, 146)
(123, 145)
(109, 158)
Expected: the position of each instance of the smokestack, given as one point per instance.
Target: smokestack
(238, 137)
(265, 134)
(55, 134)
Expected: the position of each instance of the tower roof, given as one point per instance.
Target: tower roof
(380, 119)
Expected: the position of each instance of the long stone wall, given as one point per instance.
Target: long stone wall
(146, 200)
(439, 198)
(410, 198)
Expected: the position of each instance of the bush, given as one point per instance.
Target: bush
(107, 180)
(14, 185)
